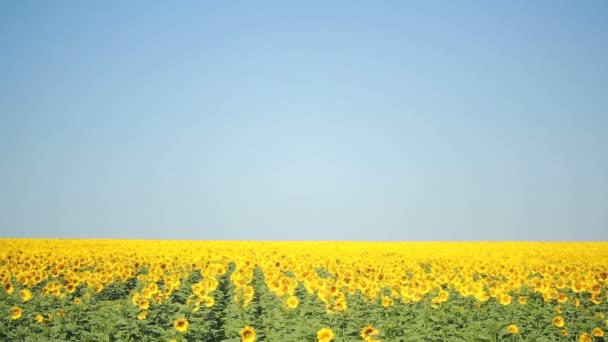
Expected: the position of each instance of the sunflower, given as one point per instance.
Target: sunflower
(596, 299)
(39, 318)
(292, 302)
(597, 332)
(209, 301)
(16, 312)
(386, 302)
(505, 299)
(585, 337)
(558, 321)
(443, 295)
(136, 298)
(26, 295)
(248, 291)
(523, 300)
(513, 329)
(368, 331)
(247, 334)
(142, 315)
(8, 287)
(181, 325)
(325, 335)
(341, 305)
(144, 304)
(564, 332)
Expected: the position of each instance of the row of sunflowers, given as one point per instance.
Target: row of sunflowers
(129, 290)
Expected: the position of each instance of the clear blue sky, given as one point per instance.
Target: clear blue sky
(316, 120)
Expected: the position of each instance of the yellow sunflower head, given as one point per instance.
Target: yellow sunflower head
(181, 325)
(292, 302)
(144, 304)
(505, 299)
(26, 295)
(597, 332)
(387, 301)
(341, 305)
(558, 321)
(368, 332)
(585, 337)
(513, 329)
(248, 334)
(209, 301)
(325, 335)
(16, 312)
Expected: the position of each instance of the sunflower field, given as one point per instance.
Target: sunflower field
(127, 290)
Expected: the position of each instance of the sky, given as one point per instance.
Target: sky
(304, 120)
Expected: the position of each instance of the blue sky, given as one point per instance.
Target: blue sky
(314, 120)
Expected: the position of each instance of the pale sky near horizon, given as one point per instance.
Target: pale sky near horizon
(313, 120)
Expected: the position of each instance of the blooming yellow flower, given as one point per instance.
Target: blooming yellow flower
(585, 337)
(340, 305)
(558, 321)
(136, 298)
(142, 315)
(513, 329)
(248, 334)
(292, 302)
(209, 301)
(39, 318)
(26, 295)
(144, 304)
(505, 299)
(181, 325)
(597, 332)
(16, 312)
(325, 335)
(386, 302)
(368, 332)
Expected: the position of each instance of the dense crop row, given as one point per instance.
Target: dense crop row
(107, 290)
